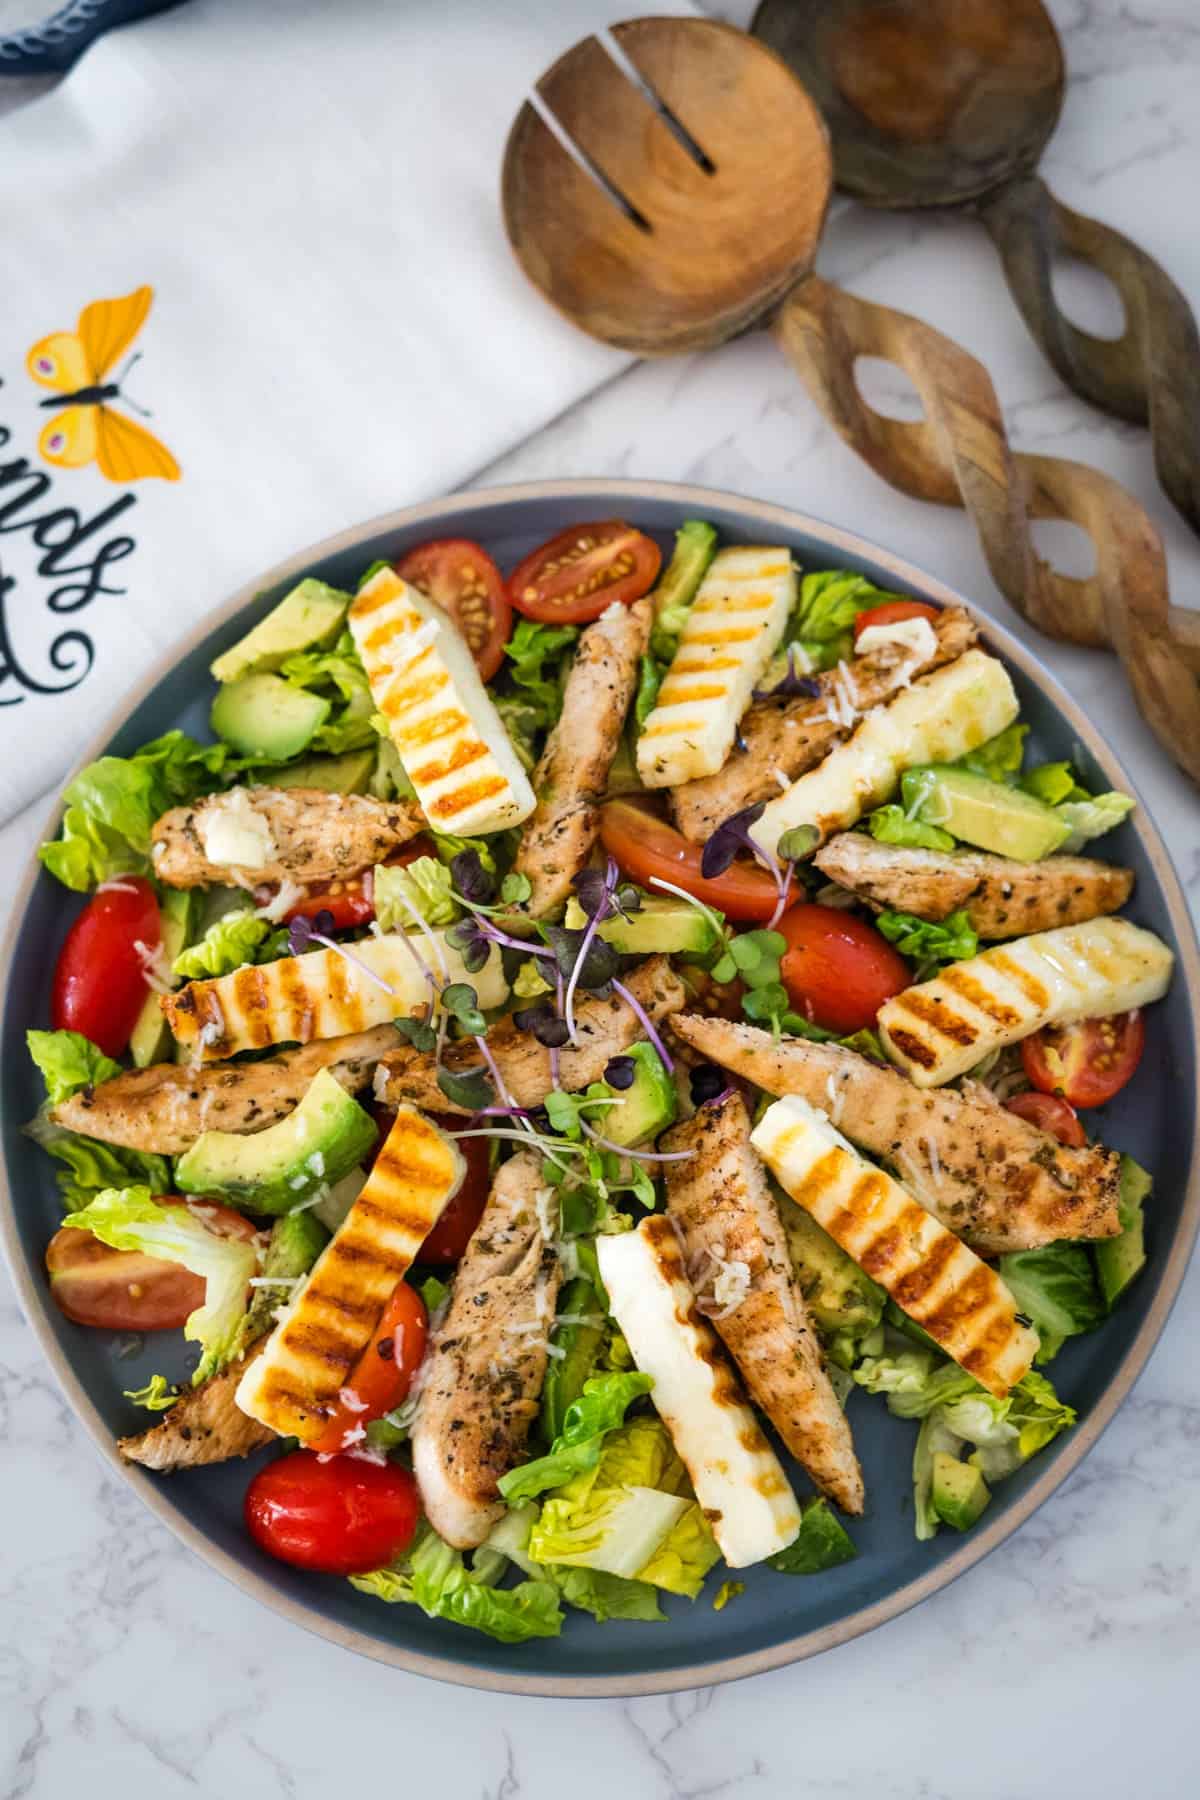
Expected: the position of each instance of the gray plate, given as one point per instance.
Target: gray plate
(778, 1619)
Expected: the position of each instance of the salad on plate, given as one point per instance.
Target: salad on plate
(565, 1043)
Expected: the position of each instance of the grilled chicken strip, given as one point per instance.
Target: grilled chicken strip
(993, 1178)
(1001, 897)
(721, 1203)
(203, 1426)
(603, 1027)
(165, 1108)
(304, 835)
(486, 1363)
(786, 737)
(570, 778)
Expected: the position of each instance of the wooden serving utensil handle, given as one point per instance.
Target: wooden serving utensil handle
(959, 455)
(1151, 373)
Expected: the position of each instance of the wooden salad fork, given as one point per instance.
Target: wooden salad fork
(671, 195)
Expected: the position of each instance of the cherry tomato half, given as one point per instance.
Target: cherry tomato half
(350, 899)
(383, 1373)
(1051, 1113)
(462, 578)
(1086, 1063)
(583, 570)
(122, 1290)
(645, 846)
(100, 978)
(892, 614)
(343, 1516)
(837, 969)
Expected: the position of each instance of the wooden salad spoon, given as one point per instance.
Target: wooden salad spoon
(951, 103)
(668, 200)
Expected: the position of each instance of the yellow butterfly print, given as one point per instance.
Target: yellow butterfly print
(87, 429)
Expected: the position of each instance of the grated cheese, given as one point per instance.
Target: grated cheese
(290, 893)
(351, 1401)
(156, 969)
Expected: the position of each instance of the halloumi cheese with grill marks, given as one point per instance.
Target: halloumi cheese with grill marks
(943, 1027)
(322, 994)
(929, 1273)
(940, 717)
(730, 635)
(293, 1387)
(446, 730)
(739, 1481)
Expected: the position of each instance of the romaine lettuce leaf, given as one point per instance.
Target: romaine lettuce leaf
(823, 618)
(695, 547)
(891, 825)
(926, 941)
(607, 1596)
(113, 804)
(231, 942)
(1055, 1287)
(650, 675)
(436, 1578)
(422, 891)
(338, 674)
(69, 1061)
(599, 1409)
(1091, 818)
(1053, 783)
(131, 1219)
(1000, 758)
(538, 660)
(90, 1165)
(821, 1543)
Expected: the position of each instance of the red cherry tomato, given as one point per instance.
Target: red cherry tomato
(351, 899)
(100, 978)
(342, 1517)
(583, 570)
(1051, 1113)
(892, 614)
(646, 846)
(122, 1290)
(837, 969)
(383, 1373)
(462, 578)
(1086, 1063)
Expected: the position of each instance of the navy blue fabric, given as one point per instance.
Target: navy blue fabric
(53, 45)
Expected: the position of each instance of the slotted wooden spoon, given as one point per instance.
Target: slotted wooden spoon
(951, 103)
(690, 209)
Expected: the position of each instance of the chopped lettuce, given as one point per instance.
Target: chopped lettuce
(131, 1219)
(607, 1596)
(89, 1166)
(523, 722)
(949, 940)
(1000, 758)
(69, 1061)
(157, 1395)
(695, 547)
(538, 661)
(821, 1543)
(600, 1408)
(1052, 783)
(1091, 818)
(822, 621)
(1055, 1287)
(892, 825)
(421, 892)
(650, 676)
(339, 676)
(232, 941)
(632, 1515)
(113, 804)
(436, 1578)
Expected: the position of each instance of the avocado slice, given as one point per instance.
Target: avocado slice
(348, 774)
(982, 812)
(840, 1297)
(659, 927)
(647, 1107)
(567, 1373)
(695, 547)
(262, 716)
(151, 1037)
(1120, 1259)
(271, 1171)
(959, 1491)
(303, 619)
(296, 1241)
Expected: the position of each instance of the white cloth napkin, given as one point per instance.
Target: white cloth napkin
(337, 326)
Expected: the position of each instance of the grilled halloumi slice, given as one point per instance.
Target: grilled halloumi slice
(292, 1388)
(944, 1026)
(929, 1273)
(731, 633)
(739, 1482)
(937, 719)
(322, 994)
(446, 730)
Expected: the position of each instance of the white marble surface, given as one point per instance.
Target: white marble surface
(1067, 1664)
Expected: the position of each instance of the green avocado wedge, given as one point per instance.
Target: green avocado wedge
(274, 1170)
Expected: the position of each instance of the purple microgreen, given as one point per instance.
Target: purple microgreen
(472, 1091)
(646, 1023)
(730, 837)
(472, 941)
(707, 1083)
(462, 1003)
(626, 900)
(794, 683)
(593, 891)
(620, 1072)
(471, 879)
(543, 1022)
(657, 1156)
(785, 890)
(303, 932)
(726, 1093)
(585, 961)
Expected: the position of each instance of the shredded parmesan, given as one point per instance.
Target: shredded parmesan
(379, 1082)
(117, 886)
(351, 1401)
(279, 1281)
(555, 1350)
(837, 1098)
(355, 1435)
(156, 970)
(290, 893)
(545, 1204)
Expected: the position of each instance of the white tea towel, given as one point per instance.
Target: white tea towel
(332, 322)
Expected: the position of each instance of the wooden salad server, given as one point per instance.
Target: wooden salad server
(676, 197)
(951, 102)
